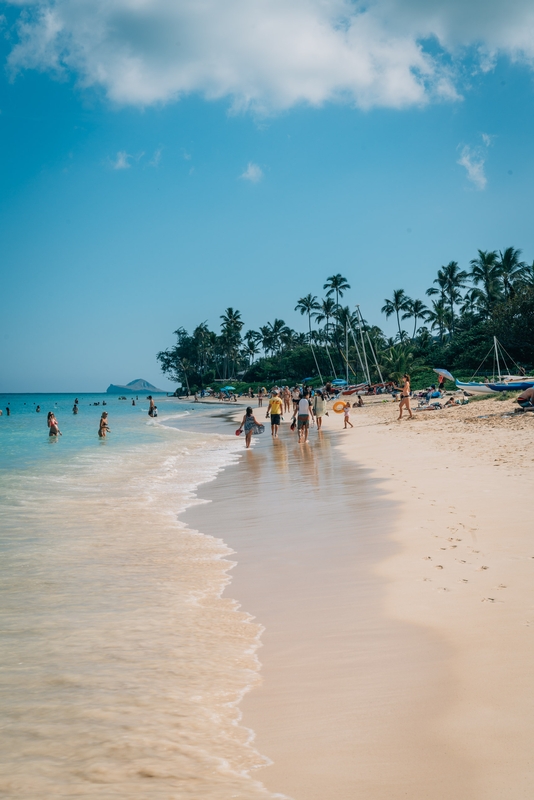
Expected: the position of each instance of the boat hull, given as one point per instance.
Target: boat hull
(494, 388)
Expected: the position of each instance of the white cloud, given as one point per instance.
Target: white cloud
(473, 160)
(156, 158)
(122, 161)
(273, 54)
(253, 173)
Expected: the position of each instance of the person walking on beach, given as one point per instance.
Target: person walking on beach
(303, 411)
(319, 408)
(260, 397)
(346, 416)
(103, 427)
(275, 411)
(405, 397)
(250, 424)
(286, 396)
(53, 427)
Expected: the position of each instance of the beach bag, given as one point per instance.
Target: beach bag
(258, 429)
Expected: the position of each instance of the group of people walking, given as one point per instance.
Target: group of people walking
(306, 411)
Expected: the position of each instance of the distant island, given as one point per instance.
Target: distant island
(139, 385)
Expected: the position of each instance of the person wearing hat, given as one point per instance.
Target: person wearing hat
(274, 409)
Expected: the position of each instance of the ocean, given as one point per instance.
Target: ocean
(122, 665)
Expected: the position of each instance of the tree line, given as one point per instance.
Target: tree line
(452, 329)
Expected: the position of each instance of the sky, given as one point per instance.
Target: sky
(162, 160)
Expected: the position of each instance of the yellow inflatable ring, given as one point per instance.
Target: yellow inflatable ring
(339, 407)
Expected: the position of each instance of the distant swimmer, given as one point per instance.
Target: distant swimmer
(153, 410)
(104, 403)
(53, 425)
(133, 402)
(75, 401)
(103, 427)
(8, 411)
(75, 409)
(38, 409)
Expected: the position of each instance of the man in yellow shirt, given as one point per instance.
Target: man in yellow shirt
(275, 411)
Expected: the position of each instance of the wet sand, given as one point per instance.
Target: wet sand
(352, 696)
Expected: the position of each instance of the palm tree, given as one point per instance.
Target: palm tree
(252, 339)
(338, 284)
(266, 339)
(455, 279)
(399, 302)
(485, 270)
(439, 316)
(325, 313)
(415, 310)
(526, 277)
(277, 330)
(308, 305)
(231, 335)
(510, 268)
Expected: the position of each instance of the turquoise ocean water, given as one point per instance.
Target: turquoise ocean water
(121, 666)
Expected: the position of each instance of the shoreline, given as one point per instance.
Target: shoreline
(342, 682)
(453, 679)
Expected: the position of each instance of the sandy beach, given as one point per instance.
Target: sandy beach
(391, 567)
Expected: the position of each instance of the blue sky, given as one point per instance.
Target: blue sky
(136, 200)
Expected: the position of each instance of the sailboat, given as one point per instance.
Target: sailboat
(500, 382)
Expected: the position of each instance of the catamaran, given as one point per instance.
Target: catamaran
(500, 382)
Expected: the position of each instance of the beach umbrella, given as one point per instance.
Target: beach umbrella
(305, 380)
(339, 382)
(229, 388)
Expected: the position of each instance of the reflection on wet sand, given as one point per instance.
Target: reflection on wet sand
(344, 687)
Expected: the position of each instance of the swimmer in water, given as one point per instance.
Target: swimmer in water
(103, 427)
(53, 425)
(74, 409)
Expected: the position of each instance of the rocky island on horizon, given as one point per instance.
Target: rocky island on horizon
(139, 385)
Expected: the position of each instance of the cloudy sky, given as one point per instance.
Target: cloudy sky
(164, 159)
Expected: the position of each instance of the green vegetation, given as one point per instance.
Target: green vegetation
(466, 308)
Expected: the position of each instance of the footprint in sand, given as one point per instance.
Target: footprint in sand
(427, 558)
(501, 586)
(464, 580)
(488, 599)
(438, 566)
(483, 567)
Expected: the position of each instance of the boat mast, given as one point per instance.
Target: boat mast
(359, 313)
(496, 346)
(347, 352)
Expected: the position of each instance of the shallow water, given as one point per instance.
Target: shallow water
(121, 665)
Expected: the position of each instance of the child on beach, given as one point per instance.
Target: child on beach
(346, 416)
(251, 425)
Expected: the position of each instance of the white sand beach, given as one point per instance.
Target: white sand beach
(392, 568)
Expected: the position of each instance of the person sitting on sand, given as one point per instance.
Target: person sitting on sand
(274, 410)
(249, 423)
(103, 427)
(405, 397)
(526, 398)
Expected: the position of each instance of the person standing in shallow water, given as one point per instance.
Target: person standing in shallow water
(319, 408)
(249, 423)
(53, 427)
(275, 412)
(103, 427)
